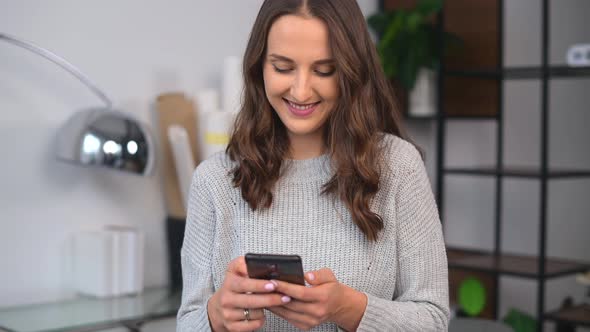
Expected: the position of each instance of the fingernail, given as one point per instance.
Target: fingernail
(269, 286)
(310, 276)
(286, 299)
(274, 282)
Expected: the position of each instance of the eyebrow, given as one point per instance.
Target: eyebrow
(284, 58)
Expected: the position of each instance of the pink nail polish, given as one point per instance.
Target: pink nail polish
(269, 286)
(286, 299)
(310, 276)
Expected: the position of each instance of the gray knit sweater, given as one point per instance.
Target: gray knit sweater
(403, 274)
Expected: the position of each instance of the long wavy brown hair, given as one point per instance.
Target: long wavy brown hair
(366, 108)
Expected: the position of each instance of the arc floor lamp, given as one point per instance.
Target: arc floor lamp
(100, 136)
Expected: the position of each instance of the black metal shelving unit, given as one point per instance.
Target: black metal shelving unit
(524, 73)
(539, 268)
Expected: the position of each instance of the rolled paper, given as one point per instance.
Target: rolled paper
(218, 126)
(175, 109)
(207, 100)
(183, 159)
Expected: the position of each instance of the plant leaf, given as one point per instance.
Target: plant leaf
(409, 41)
(414, 21)
(393, 28)
(427, 8)
(520, 321)
(379, 21)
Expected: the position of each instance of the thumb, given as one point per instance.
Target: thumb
(319, 277)
(238, 266)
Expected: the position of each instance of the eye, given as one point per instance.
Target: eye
(325, 73)
(281, 70)
(325, 70)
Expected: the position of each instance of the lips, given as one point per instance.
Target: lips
(301, 110)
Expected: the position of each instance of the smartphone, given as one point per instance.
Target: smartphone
(280, 267)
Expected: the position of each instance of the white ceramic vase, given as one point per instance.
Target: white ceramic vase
(422, 101)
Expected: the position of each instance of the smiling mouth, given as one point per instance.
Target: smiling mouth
(301, 107)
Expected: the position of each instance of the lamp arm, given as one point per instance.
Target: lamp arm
(60, 62)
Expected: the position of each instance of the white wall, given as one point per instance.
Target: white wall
(134, 50)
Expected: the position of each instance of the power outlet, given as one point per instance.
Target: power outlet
(578, 55)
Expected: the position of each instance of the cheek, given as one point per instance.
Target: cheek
(267, 83)
(330, 90)
(274, 84)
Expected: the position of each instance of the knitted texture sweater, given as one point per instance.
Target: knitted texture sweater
(404, 273)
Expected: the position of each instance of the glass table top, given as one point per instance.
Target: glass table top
(87, 312)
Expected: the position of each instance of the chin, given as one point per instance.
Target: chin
(302, 131)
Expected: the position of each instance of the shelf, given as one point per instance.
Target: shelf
(514, 265)
(88, 313)
(420, 118)
(471, 117)
(450, 117)
(522, 72)
(578, 315)
(518, 171)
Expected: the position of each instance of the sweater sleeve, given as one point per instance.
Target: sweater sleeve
(196, 256)
(420, 301)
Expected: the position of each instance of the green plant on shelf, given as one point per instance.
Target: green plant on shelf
(409, 41)
(520, 321)
(472, 296)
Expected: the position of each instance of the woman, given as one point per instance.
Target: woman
(317, 166)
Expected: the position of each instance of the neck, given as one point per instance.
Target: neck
(306, 147)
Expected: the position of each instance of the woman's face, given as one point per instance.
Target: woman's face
(300, 77)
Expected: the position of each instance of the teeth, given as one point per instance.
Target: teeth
(301, 107)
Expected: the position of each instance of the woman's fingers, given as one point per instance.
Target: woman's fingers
(238, 266)
(301, 293)
(300, 320)
(252, 301)
(245, 326)
(235, 315)
(302, 307)
(238, 284)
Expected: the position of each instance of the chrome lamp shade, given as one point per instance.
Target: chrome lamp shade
(106, 138)
(99, 136)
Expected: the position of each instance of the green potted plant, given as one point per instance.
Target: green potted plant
(410, 53)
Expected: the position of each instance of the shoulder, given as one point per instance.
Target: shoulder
(217, 164)
(399, 157)
(214, 171)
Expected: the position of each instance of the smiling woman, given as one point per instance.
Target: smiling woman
(300, 80)
(318, 166)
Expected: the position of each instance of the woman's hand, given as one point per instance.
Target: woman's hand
(227, 307)
(326, 300)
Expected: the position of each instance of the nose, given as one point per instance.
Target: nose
(301, 88)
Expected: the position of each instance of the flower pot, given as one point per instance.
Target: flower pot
(423, 96)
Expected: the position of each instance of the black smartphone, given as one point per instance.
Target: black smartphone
(280, 267)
